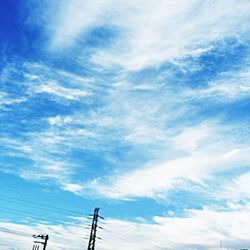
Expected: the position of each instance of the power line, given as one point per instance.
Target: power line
(19, 233)
(35, 204)
(52, 199)
(30, 216)
(10, 231)
(58, 201)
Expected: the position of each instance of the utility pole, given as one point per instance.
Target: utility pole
(92, 237)
(44, 238)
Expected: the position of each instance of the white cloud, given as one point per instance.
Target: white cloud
(54, 88)
(197, 229)
(150, 33)
(194, 137)
(178, 153)
(72, 187)
(202, 229)
(59, 120)
(59, 84)
(6, 100)
(228, 87)
(201, 152)
(236, 189)
(86, 14)
(38, 72)
(181, 153)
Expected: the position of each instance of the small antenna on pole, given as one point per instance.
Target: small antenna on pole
(40, 239)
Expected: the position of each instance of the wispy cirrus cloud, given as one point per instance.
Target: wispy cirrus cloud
(133, 116)
(55, 89)
(200, 153)
(149, 34)
(235, 190)
(6, 101)
(228, 87)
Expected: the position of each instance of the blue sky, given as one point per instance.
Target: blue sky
(139, 108)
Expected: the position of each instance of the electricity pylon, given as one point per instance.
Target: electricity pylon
(92, 237)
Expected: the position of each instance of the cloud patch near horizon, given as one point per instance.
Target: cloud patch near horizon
(197, 229)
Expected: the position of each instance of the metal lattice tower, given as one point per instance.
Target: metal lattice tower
(92, 237)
